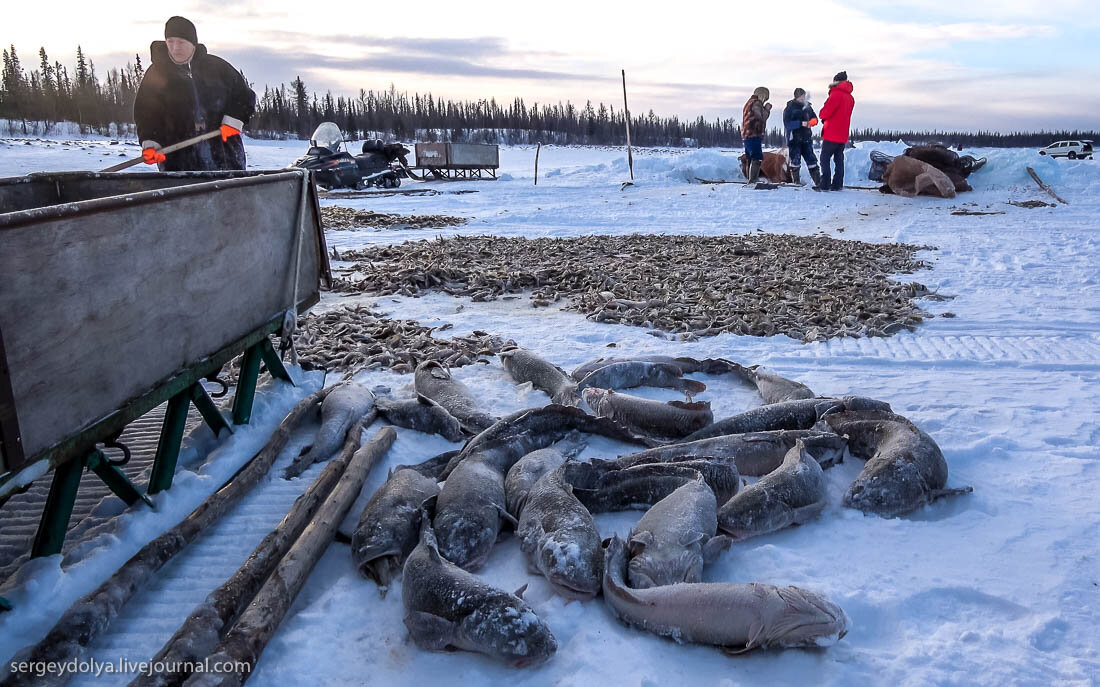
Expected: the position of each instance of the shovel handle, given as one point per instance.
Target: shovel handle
(169, 149)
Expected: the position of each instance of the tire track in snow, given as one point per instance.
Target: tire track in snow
(1039, 352)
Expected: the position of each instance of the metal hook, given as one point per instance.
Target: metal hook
(113, 442)
(213, 378)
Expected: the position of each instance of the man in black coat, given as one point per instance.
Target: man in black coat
(798, 120)
(186, 92)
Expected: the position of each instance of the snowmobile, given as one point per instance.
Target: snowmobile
(380, 164)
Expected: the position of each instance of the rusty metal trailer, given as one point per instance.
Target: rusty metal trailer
(455, 161)
(119, 292)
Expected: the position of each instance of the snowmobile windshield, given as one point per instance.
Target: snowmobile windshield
(328, 136)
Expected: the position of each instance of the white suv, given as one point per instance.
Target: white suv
(1070, 149)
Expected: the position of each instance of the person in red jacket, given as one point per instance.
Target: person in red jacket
(837, 116)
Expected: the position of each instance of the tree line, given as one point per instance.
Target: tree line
(34, 100)
(293, 109)
(977, 139)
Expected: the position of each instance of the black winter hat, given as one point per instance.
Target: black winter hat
(799, 92)
(178, 27)
(840, 76)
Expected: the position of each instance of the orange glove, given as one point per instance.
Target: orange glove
(228, 131)
(813, 122)
(152, 156)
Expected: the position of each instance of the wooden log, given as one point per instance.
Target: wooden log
(90, 617)
(1046, 188)
(244, 643)
(731, 181)
(537, 151)
(199, 635)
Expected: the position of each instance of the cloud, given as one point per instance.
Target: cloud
(484, 46)
(225, 11)
(283, 66)
(491, 47)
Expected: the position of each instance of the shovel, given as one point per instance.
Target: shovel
(170, 149)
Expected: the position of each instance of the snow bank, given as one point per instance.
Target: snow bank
(1004, 168)
(679, 166)
(688, 167)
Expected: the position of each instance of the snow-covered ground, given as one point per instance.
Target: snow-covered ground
(999, 587)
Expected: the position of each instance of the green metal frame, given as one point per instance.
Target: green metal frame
(58, 510)
(115, 479)
(59, 503)
(187, 389)
(246, 385)
(171, 432)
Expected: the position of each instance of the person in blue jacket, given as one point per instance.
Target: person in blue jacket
(798, 121)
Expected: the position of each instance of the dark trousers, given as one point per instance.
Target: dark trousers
(798, 150)
(831, 151)
(754, 148)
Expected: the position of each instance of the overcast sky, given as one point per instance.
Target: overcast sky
(937, 64)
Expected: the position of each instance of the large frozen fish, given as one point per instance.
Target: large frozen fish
(525, 366)
(686, 365)
(602, 488)
(791, 495)
(755, 453)
(470, 512)
(542, 427)
(675, 537)
(736, 617)
(347, 403)
(905, 468)
(560, 539)
(800, 414)
(655, 418)
(527, 470)
(447, 607)
(772, 388)
(433, 380)
(389, 526)
(635, 373)
(422, 414)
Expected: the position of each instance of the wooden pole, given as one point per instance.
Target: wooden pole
(1045, 187)
(537, 150)
(626, 113)
(731, 181)
(254, 629)
(90, 617)
(199, 635)
(170, 149)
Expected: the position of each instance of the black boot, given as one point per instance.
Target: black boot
(815, 174)
(795, 174)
